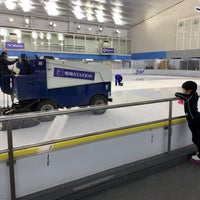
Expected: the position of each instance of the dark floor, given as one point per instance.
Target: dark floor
(181, 182)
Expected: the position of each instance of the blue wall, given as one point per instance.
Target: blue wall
(135, 56)
(149, 55)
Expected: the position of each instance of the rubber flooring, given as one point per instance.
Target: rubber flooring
(181, 182)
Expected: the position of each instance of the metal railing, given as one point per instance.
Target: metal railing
(8, 120)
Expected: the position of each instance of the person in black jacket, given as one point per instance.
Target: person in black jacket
(190, 99)
(4, 63)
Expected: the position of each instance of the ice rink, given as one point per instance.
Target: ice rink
(148, 87)
(135, 89)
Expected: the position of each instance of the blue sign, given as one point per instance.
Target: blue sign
(69, 73)
(197, 9)
(139, 71)
(14, 45)
(108, 50)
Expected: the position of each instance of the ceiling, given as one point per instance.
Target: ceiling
(130, 12)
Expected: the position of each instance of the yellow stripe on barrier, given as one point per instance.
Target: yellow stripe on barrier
(3, 156)
(26, 152)
(20, 153)
(113, 134)
(78, 141)
(106, 135)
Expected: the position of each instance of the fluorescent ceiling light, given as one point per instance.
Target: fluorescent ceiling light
(100, 7)
(3, 32)
(89, 5)
(117, 31)
(26, 5)
(77, 2)
(90, 17)
(51, 8)
(100, 16)
(117, 9)
(100, 29)
(89, 14)
(119, 22)
(116, 3)
(11, 19)
(101, 1)
(27, 20)
(60, 37)
(10, 4)
(78, 12)
(48, 36)
(41, 35)
(18, 33)
(34, 35)
(117, 17)
(89, 11)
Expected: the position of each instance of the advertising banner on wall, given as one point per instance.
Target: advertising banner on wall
(107, 51)
(77, 74)
(14, 45)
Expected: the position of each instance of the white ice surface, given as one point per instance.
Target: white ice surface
(135, 89)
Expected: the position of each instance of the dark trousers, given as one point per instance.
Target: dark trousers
(118, 81)
(195, 129)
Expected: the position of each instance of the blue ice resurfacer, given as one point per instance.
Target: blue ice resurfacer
(47, 84)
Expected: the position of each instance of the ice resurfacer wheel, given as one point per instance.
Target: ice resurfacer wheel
(45, 106)
(98, 100)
